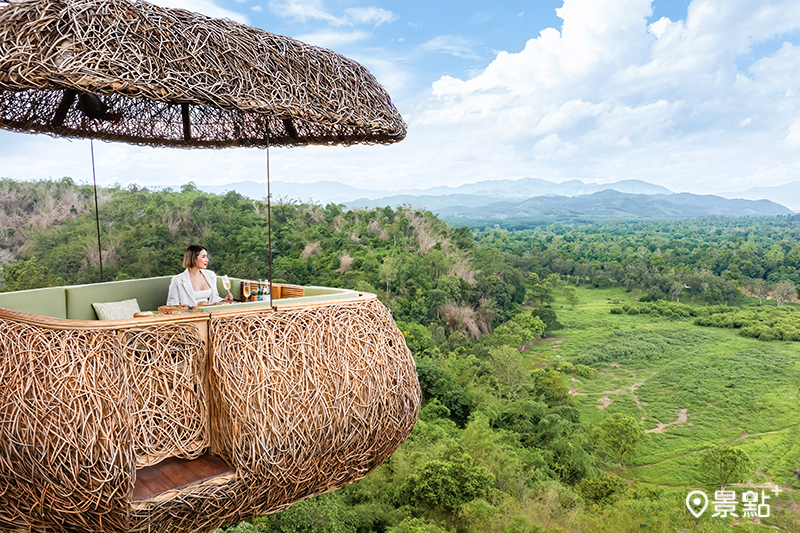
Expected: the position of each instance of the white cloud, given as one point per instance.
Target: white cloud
(257, 9)
(793, 139)
(305, 10)
(666, 98)
(450, 44)
(374, 16)
(552, 147)
(778, 72)
(206, 7)
(332, 39)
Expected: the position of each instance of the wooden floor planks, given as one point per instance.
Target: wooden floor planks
(174, 473)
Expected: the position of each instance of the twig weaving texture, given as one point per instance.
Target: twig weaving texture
(329, 399)
(241, 85)
(167, 379)
(63, 420)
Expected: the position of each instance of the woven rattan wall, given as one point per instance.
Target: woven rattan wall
(167, 367)
(170, 77)
(332, 397)
(64, 425)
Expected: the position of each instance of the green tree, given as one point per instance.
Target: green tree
(418, 339)
(388, 271)
(570, 294)
(326, 513)
(443, 487)
(774, 256)
(531, 323)
(540, 290)
(29, 274)
(512, 334)
(724, 463)
(520, 331)
(549, 387)
(621, 434)
(510, 369)
(548, 316)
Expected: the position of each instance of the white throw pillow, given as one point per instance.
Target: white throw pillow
(116, 310)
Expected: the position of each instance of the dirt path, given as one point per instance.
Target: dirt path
(606, 401)
(744, 436)
(633, 388)
(682, 418)
(574, 392)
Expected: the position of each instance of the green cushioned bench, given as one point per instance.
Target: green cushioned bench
(51, 301)
(149, 292)
(75, 302)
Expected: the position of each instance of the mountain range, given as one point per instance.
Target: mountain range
(613, 204)
(788, 194)
(324, 192)
(533, 197)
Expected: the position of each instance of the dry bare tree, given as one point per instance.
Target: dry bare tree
(461, 318)
(344, 263)
(377, 230)
(312, 248)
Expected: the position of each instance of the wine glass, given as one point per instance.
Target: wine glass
(246, 290)
(226, 282)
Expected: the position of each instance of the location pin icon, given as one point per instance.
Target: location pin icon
(696, 502)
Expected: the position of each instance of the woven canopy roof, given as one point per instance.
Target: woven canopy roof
(143, 74)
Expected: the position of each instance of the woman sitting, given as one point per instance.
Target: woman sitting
(195, 285)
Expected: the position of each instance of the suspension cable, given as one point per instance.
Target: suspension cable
(96, 212)
(269, 224)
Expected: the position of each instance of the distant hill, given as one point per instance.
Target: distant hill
(604, 204)
(531, 187)
(788, 195)
(528, 198)
(324, 192)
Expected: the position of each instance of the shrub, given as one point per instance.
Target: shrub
(584, 371)
(548, 316)
(603, 490)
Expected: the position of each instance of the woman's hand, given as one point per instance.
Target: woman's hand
(229, 297)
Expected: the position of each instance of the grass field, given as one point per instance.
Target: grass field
(691, 387)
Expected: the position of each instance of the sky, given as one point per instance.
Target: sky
(699, 96)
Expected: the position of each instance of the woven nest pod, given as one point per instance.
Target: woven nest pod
(142, 74)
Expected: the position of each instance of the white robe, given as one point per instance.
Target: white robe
(182, 293)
